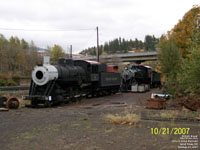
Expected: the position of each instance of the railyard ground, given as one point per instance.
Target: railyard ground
(83, 126)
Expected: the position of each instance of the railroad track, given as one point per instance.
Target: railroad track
(14, 88)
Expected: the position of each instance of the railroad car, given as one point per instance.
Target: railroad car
(70, 79)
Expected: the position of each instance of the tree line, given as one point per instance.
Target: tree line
(121, 45)
(180, 54)
(17, 57)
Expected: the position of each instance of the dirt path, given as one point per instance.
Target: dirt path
(82, 126)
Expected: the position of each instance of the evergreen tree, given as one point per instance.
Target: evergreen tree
(117, 45)
(136, 43)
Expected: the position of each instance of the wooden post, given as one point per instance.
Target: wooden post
(98, 44)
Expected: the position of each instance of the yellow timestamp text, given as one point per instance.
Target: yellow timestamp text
(170, 131)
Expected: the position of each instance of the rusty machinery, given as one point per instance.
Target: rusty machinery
(9, 103)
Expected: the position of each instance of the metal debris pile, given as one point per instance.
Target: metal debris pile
(157, 101)
(8, 103)
(191, 104)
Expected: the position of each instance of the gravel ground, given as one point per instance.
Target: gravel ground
(82, 126)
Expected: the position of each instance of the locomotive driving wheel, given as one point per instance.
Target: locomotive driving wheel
(75, 94)
(71, 94)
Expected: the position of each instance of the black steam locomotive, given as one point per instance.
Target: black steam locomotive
(70, 79)
(140, 76)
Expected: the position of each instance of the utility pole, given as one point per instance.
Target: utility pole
(97, 44)
(70, 51)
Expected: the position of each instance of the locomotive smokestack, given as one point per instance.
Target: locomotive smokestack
(46, 60)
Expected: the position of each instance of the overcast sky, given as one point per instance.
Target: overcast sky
(115, 18)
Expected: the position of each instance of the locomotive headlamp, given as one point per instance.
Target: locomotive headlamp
(41, 75)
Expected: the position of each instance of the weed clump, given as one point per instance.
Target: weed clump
(123, 119)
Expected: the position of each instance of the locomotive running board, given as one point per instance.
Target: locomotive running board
(30, 97)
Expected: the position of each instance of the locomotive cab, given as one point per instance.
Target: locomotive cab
(92, 69)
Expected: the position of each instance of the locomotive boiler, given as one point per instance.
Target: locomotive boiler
(70, 79)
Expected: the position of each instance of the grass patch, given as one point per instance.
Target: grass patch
(84, 118)
(128, 118)
(107, 131)
(170, 115)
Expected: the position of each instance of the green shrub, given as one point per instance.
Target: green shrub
(182, 74)
(189, 76)
(2, 82)
(170, 59)
(10, 82)
(7, 82)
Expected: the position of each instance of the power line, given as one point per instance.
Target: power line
(42, 30)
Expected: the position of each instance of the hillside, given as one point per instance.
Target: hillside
(120, 45)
